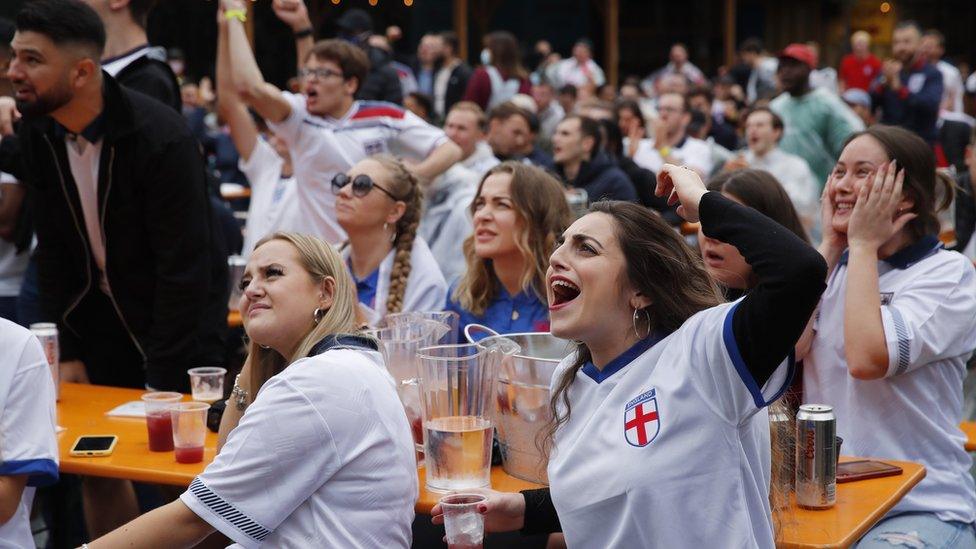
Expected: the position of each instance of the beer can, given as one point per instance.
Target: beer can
(47, 334)
(816, 460)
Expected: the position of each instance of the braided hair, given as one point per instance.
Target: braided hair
(403, 184)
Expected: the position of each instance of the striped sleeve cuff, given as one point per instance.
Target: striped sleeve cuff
(898, 339)
(223, 516)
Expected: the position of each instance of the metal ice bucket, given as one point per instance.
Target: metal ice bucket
(522, 397)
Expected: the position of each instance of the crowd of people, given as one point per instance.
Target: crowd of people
(781, 232)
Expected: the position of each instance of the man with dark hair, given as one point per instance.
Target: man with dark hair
(130, 258)
(452, 77)
(817, 122)
(761, 80)
(382, 83)
(700, 99)
(128, 56)
(508, 130)
(326, 128)
(582, 163)
(580, 69)
(909, 89)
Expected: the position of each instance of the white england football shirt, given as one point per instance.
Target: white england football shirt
(928, 307)
(668, 445)
(322, 458)
(27, 421)
(272, 196)
(322, 147)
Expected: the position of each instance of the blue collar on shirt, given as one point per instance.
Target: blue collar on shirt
(909, 255)
(624, 359)
(346, 341)
(92, 132)
(366, 286)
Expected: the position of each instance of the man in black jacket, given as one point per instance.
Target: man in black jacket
(382, 83)
(128, 56)
(452, 77)
(582, 164)
(123, 223)
(130, 259)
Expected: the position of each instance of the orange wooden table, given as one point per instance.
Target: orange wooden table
(969, 428)
(81, 411)
(860, 505)
(500, 480)
(234, 319)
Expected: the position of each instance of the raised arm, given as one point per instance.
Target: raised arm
(245, 74)
(789, 270)
(294, 13)
(873, 222)
(438, 161)
(243, 131)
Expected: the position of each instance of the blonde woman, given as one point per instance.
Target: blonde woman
(518, 212)
(378, 205)
(322, 456)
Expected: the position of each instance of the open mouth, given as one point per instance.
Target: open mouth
(563, 291)
(843, 207)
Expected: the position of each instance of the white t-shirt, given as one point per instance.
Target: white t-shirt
(321, 147)
(426, 289)
(272, 196)
(691, 152)
(668, 446)
(794, 174)
(27, 421)
(928, 298)
(12, 264)
(952, 86)
(322, 458)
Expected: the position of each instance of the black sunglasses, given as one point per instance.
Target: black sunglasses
(361, 185)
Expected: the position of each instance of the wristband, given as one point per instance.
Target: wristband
(240, 15)
(307, 31)
(664, 152)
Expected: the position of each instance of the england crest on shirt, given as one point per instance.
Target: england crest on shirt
(642, 419)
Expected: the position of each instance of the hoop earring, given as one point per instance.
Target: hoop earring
(647, 317)
(317, 315)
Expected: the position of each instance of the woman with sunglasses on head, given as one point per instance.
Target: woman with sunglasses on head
(894, 330)
(322, 455)
(378, 205)
(660, 436)
(518, 212)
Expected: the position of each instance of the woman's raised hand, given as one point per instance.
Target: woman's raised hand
(876, 216)
(503, 511)
(681, 185)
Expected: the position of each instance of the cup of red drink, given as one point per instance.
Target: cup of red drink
(189, 430)
(464, 526)
(158, 421)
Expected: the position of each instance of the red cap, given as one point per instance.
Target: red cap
(800, 52)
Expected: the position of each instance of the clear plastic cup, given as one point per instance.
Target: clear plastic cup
(158, 422)
(207, 384)
(189, 430)
(463, 524)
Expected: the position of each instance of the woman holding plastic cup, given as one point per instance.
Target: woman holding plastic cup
(323, 450)
(518, 212)
(659, 416)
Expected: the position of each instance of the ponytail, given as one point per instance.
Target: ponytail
(404, 185)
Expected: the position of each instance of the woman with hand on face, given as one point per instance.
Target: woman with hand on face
(379, 205)
(322, 455)
(518, 212)
(895, 328)
(660, 423)
(760, 191)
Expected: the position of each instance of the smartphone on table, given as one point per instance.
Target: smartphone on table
(94, 446)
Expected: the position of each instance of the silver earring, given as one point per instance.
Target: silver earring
(317, 314)
(647, 317)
